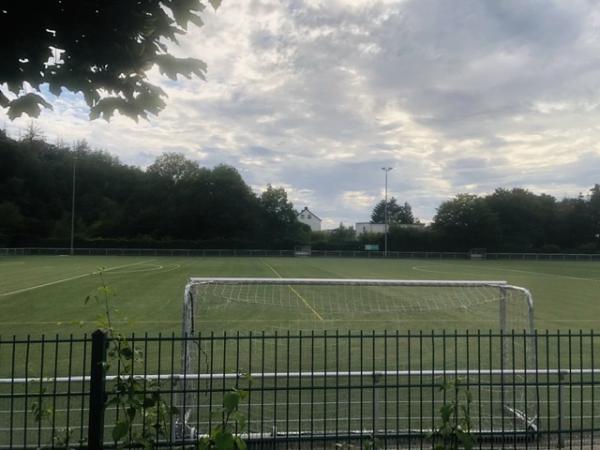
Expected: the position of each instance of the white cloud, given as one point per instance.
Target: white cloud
(318, 95)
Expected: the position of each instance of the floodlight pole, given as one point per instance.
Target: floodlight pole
(73, 207)
(385, 217)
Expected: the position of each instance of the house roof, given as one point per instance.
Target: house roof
(308, 210)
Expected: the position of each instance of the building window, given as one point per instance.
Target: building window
(309, 216)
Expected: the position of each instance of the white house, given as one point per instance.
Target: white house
(309, 218)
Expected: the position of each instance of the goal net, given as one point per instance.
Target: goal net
(495, 306)
(302, 250)
(478, 253)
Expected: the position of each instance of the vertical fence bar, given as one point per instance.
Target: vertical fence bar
(561, 442)
(593, 384)
(549, 406)
(12, 390)
(97, 391)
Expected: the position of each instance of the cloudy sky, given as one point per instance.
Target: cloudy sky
(318, 95)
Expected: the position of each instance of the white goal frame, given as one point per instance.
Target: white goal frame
(190, 308)
(189, 303)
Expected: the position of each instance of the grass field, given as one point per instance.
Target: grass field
(45, 294)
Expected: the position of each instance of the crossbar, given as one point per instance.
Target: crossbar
(344, 281)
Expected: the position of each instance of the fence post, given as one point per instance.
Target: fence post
(561, 439)
(376, 406)
(97, 391)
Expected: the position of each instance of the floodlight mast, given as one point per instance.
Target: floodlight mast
(385, 220)
(73, 206)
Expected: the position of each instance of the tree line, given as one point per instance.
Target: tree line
(177, 203)
(173, 203)
(507, 220)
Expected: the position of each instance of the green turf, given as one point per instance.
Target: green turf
(45, 294)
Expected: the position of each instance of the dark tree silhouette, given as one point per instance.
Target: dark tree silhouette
(397, 214)
(102, 49)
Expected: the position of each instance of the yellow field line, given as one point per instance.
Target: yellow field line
(64, 280)
(308, 305)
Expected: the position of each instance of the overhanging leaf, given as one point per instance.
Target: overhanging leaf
(27, 104)
(4, 101)
(120, 430)
(215, 3)
(231, 400)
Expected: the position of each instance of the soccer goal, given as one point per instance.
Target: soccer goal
(302, 250)
(495, 306)
(478, 253)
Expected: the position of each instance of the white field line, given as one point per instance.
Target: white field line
(308, 305)
(490, 269)
(299, 321)
(64, 280)
(83, 322)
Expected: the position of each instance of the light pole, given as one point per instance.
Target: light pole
(73, 207)
(385, 217)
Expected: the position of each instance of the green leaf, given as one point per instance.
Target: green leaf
(204, 444)
(4, 101)
(224, 441)
(239, 443)
(215, 3)
(231, 400)
(131, 411)
(240, 419)
(171, 66)
(27, 104)
(120, 430)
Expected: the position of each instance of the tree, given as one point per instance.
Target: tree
(594, 205)
(465, 222)
(397, 214)
(276, 206)
(573, 225)
(101, 49)
(342, 234)
(173, 167)
(525, 219)
(280, 220)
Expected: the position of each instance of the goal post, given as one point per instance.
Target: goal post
(478, 253)
(491, 305)
(302, 250)
(509, 307)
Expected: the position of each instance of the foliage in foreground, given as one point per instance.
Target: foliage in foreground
(100, 49)
(138, 399)
(454, 430)
(226, 435)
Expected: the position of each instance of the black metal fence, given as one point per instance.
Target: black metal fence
(317, 390)
(291, 253)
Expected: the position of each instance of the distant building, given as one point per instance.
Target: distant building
(309, 218)
(368, 227)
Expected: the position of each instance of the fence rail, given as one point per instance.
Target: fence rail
(536, 390)
(291, 253)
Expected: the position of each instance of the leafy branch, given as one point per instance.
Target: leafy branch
(139, 399)
(455, 429)
(42, 414)
(226, 435)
